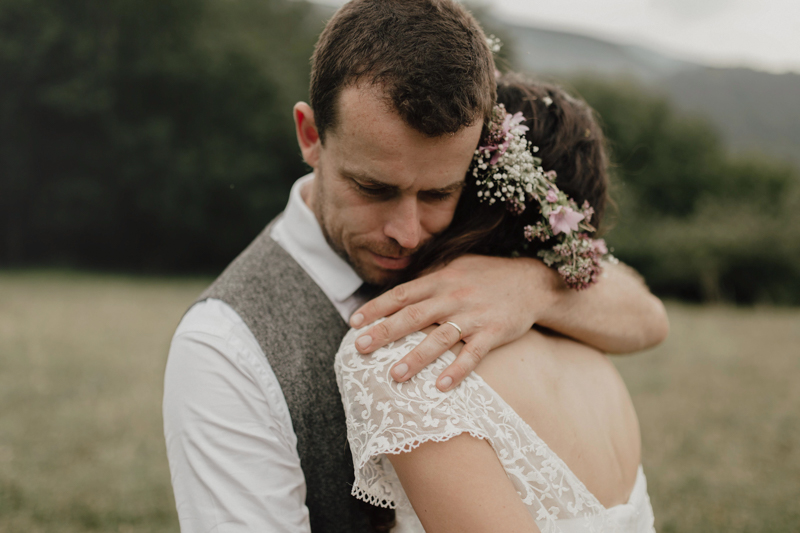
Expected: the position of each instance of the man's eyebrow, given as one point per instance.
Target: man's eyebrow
(366, 179)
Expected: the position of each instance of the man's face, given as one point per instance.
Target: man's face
(381, 188)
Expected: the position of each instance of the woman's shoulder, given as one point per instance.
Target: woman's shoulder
(369, 391)
(384, 416)
(378, 364)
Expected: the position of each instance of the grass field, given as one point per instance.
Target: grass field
(81, 447)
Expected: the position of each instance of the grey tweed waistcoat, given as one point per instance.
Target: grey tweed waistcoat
(299, 330)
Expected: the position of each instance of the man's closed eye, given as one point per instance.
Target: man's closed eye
(374, 192)
(435, 196)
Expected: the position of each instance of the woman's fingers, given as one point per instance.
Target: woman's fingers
(434, 345)
(413, 318)
(416, 312)
(467, 361)
(390, 302)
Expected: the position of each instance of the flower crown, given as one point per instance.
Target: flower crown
(506, 171)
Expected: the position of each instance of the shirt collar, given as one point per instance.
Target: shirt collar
(300, 234)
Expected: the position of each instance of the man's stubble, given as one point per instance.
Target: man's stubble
(320, 210)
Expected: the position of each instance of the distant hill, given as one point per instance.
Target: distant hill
(562, 53)
(753, 110)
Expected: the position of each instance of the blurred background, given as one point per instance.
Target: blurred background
(144, 144)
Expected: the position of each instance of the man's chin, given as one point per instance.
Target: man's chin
(380, 270)
(380, 277)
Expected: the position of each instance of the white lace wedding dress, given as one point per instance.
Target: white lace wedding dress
(386, 417)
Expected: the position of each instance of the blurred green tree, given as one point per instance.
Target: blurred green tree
(156, 135)
(698, 222)
(148, 134)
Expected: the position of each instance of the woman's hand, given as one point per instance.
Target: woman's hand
(493, 300)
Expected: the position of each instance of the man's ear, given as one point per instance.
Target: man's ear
(307, 134)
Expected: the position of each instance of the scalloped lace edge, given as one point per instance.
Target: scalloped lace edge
(380, 501)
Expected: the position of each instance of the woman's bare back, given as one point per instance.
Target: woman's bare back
(575, 400)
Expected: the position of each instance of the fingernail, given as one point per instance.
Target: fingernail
(445, 383)
(364, 341)
(356, 320)
(399, 371)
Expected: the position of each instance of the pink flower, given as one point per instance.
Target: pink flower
(512, 124)
(599, 246)
(588, 210)
(551, 197)
(515, 206)
(564, 220)
(498, 151)
(536, 232)
(551, 174)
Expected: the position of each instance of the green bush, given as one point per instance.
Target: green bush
(697, 222)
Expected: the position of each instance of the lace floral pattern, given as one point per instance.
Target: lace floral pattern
(386, 417)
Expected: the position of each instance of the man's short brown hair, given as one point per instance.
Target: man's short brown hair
(430, 57)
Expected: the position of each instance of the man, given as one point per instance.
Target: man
(253, 419)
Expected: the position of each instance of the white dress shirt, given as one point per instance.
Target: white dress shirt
(230, 443)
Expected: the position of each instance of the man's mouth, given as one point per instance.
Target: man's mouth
(391, 263)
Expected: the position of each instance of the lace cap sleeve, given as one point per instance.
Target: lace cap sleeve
(386, 417)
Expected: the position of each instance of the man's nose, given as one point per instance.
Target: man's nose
(403, 224)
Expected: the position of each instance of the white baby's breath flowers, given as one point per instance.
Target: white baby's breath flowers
(507, 163)
(494, 43)
(505, 170)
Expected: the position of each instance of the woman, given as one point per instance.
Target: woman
(544, 437)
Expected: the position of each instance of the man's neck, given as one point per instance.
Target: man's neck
(307, 194)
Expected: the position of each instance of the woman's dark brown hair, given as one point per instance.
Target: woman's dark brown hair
(570, 142)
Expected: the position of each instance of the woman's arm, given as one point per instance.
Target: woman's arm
(496, 300)
(460, 486)
(617, 315)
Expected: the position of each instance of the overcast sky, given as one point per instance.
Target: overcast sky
(760, 34)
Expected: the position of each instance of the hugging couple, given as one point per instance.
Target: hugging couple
(417, 342)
